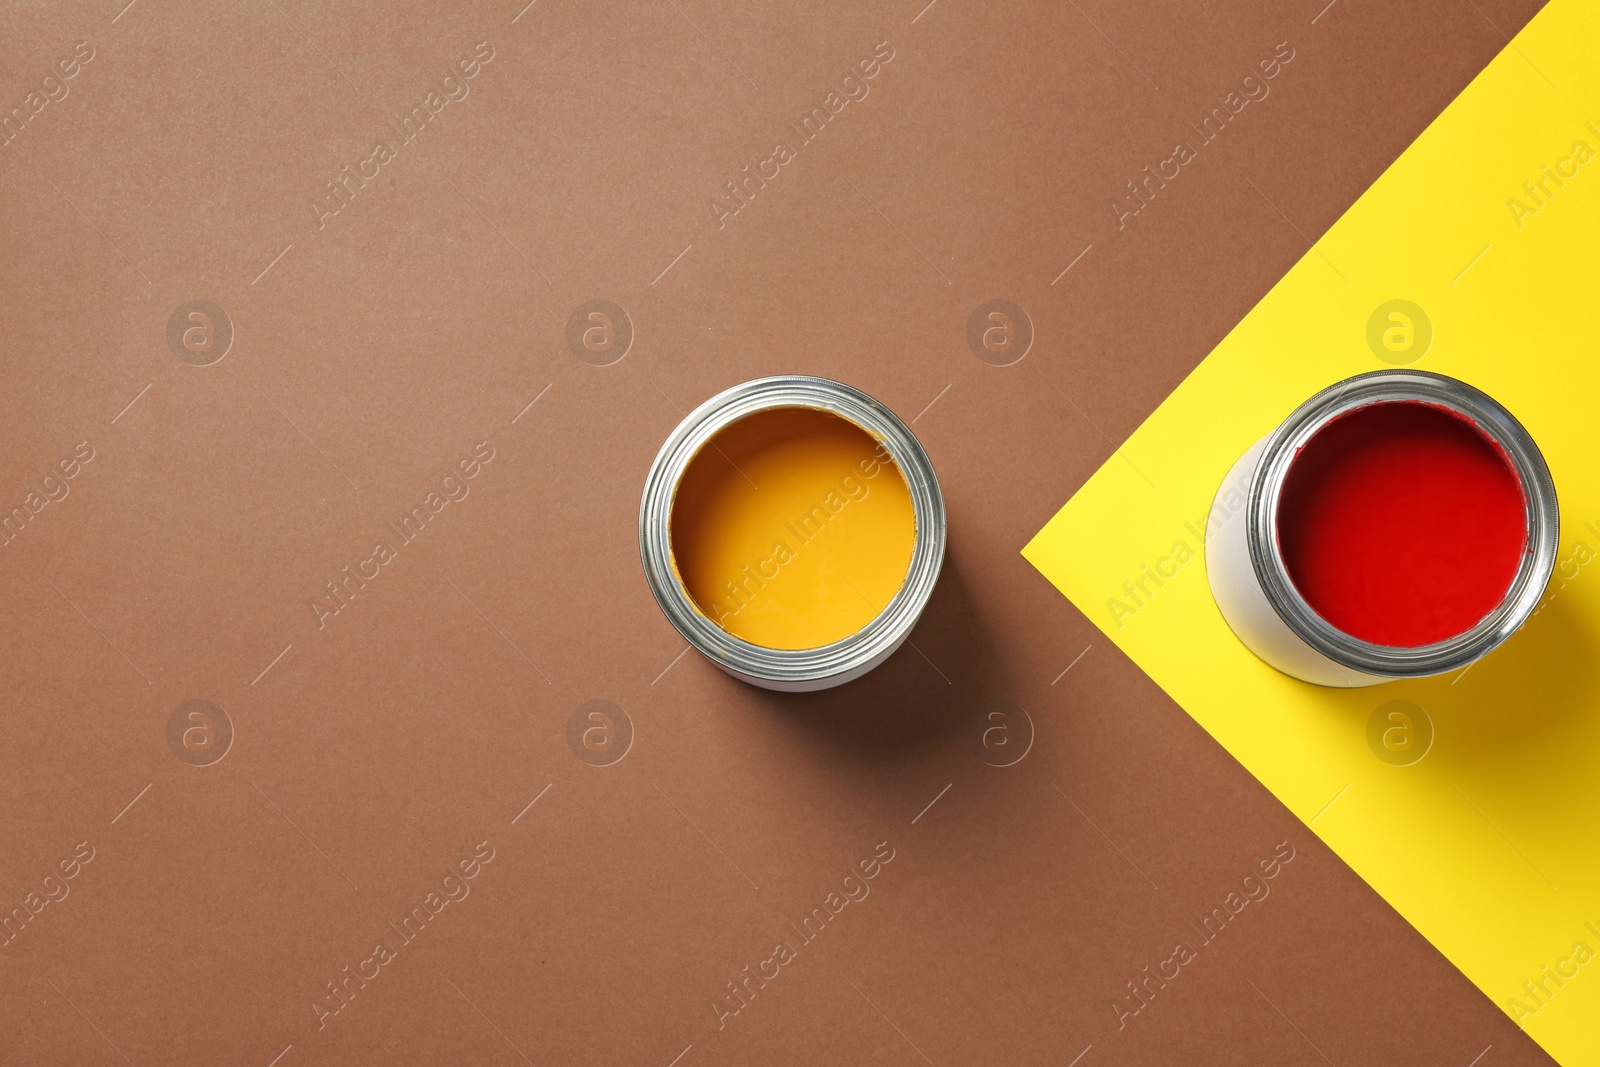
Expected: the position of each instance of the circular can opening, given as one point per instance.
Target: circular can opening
(1402, 523)
(792, 528)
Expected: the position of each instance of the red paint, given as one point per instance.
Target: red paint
(1401, 523)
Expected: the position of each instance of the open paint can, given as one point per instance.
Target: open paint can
(1398, 524)
(792, 530)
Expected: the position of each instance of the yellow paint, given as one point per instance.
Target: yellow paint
(792, 528)
(1488, 843)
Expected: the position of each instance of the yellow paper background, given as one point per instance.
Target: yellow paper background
(1490, 844)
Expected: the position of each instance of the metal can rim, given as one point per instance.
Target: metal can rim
(1540, 508)
(792, 668)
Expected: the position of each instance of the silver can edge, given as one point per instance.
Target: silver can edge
(804, 669)
(1541, 512)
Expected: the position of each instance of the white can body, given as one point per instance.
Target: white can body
(1244, 603)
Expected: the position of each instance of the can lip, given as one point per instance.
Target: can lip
(792, 667)
(1540, 509)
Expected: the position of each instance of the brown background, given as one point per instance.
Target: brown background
(424, 717)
